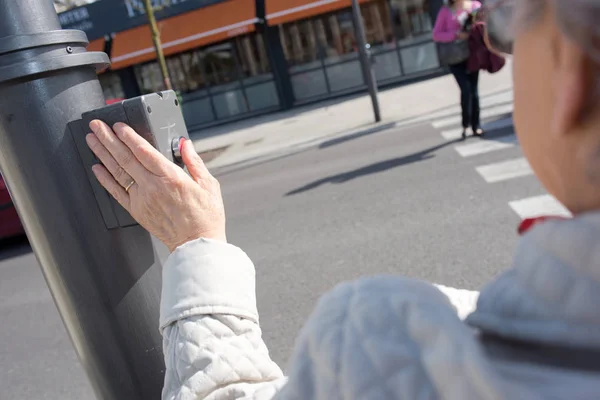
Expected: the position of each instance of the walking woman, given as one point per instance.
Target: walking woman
(452, 25)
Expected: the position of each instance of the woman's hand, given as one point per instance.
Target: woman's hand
(167, 202)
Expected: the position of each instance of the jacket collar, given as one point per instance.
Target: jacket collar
(528, 223)
(552, 294)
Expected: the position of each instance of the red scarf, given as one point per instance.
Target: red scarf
(529, 223)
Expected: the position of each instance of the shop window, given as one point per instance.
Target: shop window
(219, 64)
(111, 85)
(252, 56)
(149, 77)
(178, 73)
(411, 18)
(192, 77)
(326, 37)
(215, 66)
(377, 21)
(342, 32)
(300, 42)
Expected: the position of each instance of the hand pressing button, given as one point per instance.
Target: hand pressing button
(176, 148)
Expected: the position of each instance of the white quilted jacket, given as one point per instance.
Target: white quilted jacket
(534, 335)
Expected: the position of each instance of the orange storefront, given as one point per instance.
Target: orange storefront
(235, 58)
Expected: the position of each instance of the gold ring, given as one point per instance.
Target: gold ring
(129, 185)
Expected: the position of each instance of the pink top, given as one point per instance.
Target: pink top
(448, 24)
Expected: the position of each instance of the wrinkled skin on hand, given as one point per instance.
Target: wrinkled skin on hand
(170, 204)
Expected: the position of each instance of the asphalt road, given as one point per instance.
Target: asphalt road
(401, 201)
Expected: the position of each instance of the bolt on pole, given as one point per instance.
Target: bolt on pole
(365, 59)
(104, 282)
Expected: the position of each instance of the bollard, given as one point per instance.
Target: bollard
(365, 58)
(105, 282)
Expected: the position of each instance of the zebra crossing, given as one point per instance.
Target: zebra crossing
(497, 121)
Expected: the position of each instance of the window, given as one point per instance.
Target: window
(149, 78)
(410, 18)
(298, 39)
(319, 38)
(252, 56)
(220, 64)
(111, 85)
(378, 22)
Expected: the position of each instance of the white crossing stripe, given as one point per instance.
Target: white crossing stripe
(539, 206)
(453, 134)
(486, 146)
(505, 170)
(486, 113)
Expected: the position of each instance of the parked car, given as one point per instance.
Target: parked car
(10, 224)
(113, 101)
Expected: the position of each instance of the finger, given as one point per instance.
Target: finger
(120, 152)
(118, 173)
(193, 161)
(111, 185)
(144, 152)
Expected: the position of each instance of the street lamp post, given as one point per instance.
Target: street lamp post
(105, 282)
(365, 59)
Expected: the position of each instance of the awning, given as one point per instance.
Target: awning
(282, 11)
(185, 31)
(96, 45)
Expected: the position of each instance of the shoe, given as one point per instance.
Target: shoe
(464, 134)
(478, 132)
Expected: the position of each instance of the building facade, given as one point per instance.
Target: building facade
(232, 59)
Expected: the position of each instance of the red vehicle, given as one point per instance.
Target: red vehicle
(113, 101)
(10, 224)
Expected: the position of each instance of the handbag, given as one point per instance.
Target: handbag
(453, 52)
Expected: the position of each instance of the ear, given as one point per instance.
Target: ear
(572, 84)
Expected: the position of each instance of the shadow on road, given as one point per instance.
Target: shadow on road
(365, 130)
(357, 135)
(406, 122)
(14, 247)
(374, 168)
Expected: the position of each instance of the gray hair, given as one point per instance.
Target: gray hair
(578, 19)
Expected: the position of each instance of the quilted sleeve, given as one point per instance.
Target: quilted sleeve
(212, 340)
(387, 338)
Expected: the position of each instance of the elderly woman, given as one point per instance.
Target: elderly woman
(533, 333)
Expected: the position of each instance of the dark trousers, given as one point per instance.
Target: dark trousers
(469, 94)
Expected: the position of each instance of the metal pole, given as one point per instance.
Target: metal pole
(365, 60)
(157, 45)
(105, 283)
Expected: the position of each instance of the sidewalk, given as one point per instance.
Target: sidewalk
(266, 136)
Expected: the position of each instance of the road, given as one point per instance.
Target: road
(409, 201)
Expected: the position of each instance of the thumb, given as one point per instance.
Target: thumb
(192, 161)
